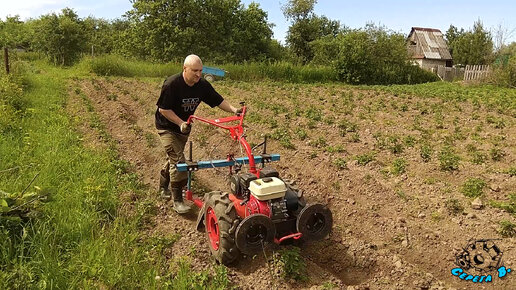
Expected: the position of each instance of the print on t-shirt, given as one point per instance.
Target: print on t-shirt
(189, 105)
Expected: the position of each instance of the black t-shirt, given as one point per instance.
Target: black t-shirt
(177, 96)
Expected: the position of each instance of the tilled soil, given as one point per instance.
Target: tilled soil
(391, 231)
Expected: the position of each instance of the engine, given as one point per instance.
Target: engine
(268, 195)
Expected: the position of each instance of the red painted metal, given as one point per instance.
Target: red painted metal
(196, 201)
(255, 206)
(294, 236)
(212, 227)
(237, 133)
(240, 209)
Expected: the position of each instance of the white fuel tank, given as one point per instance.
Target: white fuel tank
(267, 188)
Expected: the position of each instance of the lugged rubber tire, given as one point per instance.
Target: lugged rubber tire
(226, 252)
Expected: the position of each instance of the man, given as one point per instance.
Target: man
(179, 98)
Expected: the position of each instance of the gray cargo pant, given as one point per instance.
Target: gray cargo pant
(174, 144)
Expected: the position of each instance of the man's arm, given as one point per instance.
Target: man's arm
(171, 116)
(225, 106)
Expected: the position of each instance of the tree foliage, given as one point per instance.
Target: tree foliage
(218, 30)
(60, 37)
(470, 47)
(306, 27)
(371, 55)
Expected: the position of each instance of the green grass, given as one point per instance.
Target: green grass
(75, 233)
(113, 65)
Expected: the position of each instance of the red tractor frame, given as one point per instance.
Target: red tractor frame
(261, 209)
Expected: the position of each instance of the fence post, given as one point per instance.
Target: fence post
(6, 58)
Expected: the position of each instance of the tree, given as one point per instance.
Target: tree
(216, 30)
(14, 33)
(60, 37)
(452, 34)
(306, 27)
(473, 47)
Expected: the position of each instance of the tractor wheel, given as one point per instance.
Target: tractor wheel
(220, 219)
(209, 78)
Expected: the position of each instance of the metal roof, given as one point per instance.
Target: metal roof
(430, 43)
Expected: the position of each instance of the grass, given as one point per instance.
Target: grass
(113, 65)
(76, 233)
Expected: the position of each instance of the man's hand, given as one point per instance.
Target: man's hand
(239, 111)
(185, 128)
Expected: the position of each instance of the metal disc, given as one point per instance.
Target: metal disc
(314, 222)
(254, 232)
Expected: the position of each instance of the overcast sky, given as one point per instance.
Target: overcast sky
(399, 15)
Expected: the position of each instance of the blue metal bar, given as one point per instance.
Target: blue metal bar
(222, 163)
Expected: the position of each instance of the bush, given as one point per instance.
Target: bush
(376, 56)
(505, 75)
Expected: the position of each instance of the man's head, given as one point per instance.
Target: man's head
(192, 69)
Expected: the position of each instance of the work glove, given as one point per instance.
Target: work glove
(239, 111)
(185, 128)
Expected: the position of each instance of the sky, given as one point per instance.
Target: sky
(398, 15)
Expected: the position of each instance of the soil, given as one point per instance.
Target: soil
(391, 231)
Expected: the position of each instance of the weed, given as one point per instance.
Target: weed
(409, 141)
(112, 97)
(365, 158)
(355, 137)
(402, 195)
(328, 286)
(473, 187)
(150, 139)
(496, 154)
(453, 206)
(283, 136)
(347, 126)
(509, 206)
(449, 161)
(311, 124)
(335, 149)
(404, 107)
(301, 134)
(478, 157)
(436, 216)
(313, 114)
(320, 142)
(426, 152)
(340, 163)
(395, 145)
(292, 264)
(399, 166)
(511, 171)
(336, 185)
(313, 154)
(507, 229)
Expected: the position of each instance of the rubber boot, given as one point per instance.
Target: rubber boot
(179, 205)
(164, 191)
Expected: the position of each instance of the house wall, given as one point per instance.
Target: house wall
(431, 63)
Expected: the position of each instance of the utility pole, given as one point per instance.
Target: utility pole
(6, 58)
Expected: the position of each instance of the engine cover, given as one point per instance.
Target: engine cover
(268, 188)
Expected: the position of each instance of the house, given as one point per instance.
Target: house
(428, 48)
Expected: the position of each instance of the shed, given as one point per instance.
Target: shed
(428, 48)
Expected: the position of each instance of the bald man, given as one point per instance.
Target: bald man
(179, 98)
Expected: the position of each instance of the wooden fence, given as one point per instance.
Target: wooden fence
(476, 72)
